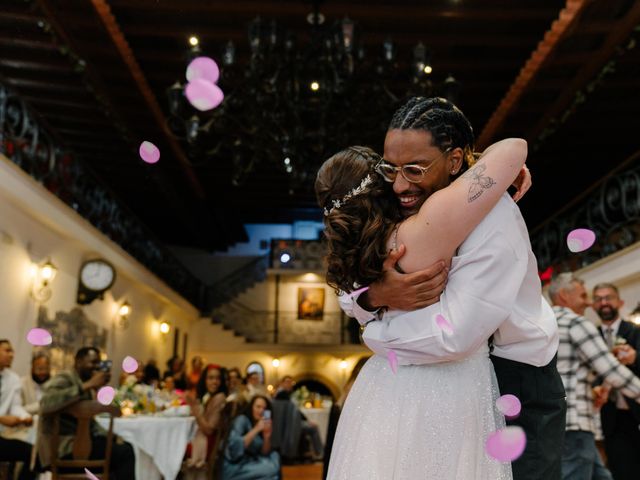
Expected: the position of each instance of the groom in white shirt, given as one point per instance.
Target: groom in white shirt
(491, 293)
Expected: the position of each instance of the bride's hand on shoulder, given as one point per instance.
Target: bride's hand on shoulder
(522, 183)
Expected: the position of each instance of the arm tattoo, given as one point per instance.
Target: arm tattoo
(479, 182)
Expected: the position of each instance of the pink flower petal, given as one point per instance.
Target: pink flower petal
(358, 292)
(129, 364)
(444, 324)
(203, 67)
(90, 475)
(106, 394)
(39, 337)
(509, 405)
(149, 152)
(580, 239)
(507, 444)
(393, 361)
(203, 94)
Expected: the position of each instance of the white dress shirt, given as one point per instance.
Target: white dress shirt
(10, 395)
(493, 288)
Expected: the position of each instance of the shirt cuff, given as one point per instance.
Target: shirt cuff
(364, 316)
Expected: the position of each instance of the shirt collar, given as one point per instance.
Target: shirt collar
(615, 326)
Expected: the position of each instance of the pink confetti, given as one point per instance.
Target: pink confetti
(580, 239)
(106, 394)
(39, 337)
(507, 444)
(355, 293)
(149, 152)
(203, 94)
(129, 364)
(393, 361)
(509, 405)
(90, 475)
(203, 67)
(444, 324)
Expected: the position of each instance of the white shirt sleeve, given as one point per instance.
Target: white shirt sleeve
(481, 292)
(351, 308)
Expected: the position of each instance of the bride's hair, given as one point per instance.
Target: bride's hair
(360, 213)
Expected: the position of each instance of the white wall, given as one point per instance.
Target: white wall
(35, 225)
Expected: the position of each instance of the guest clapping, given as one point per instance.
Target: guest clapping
(207, 409)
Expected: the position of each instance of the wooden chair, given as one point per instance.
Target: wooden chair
(83, 411)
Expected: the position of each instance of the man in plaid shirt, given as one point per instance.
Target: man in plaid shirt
(581, 352)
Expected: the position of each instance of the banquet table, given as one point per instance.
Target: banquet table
(159, 442)
(319, 416)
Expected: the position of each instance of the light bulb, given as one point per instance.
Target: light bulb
(193, 40)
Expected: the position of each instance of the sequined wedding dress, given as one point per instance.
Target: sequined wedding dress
(423, 422)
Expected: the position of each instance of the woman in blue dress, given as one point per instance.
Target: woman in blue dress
(248, 455)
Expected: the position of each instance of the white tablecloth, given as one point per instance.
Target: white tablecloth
(319, 416)
(158, 442)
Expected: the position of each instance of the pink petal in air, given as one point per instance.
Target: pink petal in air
(129, 364)
(39, 337)
(203, 67)
(203, 94)
(509, 405)
(393, 361)
(105, 395)
(506, 444)
(444, 324)
(580, 239)
(149, 152)
(90, 475)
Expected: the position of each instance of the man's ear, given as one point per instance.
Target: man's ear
(456, 157)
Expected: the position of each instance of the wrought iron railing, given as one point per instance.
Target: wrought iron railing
(612, 211)
(33, 149)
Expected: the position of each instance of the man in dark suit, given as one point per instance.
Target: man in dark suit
(620, 416)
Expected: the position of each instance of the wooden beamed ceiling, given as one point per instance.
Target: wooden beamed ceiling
(133, 50)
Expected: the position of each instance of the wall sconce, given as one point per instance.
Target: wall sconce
(275, 362)
(164, 327)
(343, 365)
(123, 314)
(42, 275)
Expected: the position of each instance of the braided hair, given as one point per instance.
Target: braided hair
(448, 126)
(357, 231)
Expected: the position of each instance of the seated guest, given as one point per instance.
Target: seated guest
(285, 388)
(175, 370)
(309, 429)
(255, 386)
(33, 384)
(207, 409)
(12, 414)
(248, 453)
(66, 388)
(151, 374)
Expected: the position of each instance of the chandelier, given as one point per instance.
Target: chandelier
(291, 105)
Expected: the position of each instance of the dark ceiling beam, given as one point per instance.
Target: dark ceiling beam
(11, 41)
(40, 85)
(122, 45)
(334, 9)
(560, 28)
(598, 58)
(368, 38)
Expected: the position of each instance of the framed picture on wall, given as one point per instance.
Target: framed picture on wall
(310, 303)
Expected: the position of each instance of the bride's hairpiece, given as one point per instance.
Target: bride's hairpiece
(350, 194)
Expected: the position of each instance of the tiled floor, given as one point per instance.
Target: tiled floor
(302, 472)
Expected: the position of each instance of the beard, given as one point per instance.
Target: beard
(607, 313)
(40, 380)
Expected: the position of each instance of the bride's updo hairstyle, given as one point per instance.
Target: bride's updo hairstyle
(360, 212)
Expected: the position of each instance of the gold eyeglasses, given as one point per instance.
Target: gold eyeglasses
(410, 172)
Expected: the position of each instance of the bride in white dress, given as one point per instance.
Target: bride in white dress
(423, 421)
